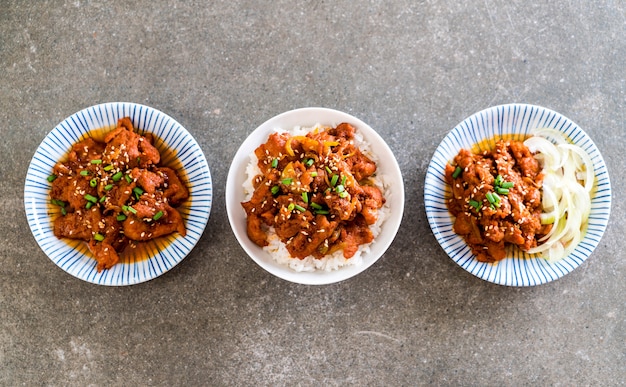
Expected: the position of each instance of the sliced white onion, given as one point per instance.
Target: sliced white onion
(566, 192)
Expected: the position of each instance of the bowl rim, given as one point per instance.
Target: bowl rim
(71, 256)
(502, 119)
(307, 117)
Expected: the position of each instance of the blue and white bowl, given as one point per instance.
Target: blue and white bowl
(516, 121)
(157, 256)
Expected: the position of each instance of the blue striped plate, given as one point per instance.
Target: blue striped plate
(516, 121)
(178, 149)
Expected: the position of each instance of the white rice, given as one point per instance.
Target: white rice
(277, 249)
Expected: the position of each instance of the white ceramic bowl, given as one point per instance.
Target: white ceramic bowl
(308, 117)
(516, 120)
(175, 144)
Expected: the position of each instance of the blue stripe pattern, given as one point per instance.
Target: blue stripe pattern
(518, 269)
(73, 256)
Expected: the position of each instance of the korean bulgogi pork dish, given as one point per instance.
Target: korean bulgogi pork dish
(115, 193)
(316, 192)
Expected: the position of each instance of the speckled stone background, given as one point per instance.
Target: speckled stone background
(412, 70)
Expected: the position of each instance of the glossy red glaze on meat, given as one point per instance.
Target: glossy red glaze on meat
(115, 191)
(515, 220)
(316, 191)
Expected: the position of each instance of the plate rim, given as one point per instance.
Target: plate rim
(455, 247)
(71, 129)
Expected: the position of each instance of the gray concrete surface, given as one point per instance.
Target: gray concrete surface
(412, 70)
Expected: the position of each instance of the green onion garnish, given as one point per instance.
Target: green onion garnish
(313, 174)
(121, 217)
(343, 180)
(299, 208)
(490, 198)
(138, 192)
(108, 187)
(158, 215)
(98, 161)
(84, 172)
(91, 198)
(274, 163)
(305, 197)
(287, 181)
(498, 180)
(130, 209)
(507, 184)
(88, 205)
(93, 182)
(309, 162)
(333, 180)
(340, 188)
(328, 170)
(128, 179)
(322, 212)
(457, 172)
(108, 168)
(52, 178)
(102, 199)
(57, 202)
(316, 206)
(290, 207)
(117, 176)
(275, 189)
(475, 204)
(343, 194)
(63, 211)
(502, 191)
(99, 237)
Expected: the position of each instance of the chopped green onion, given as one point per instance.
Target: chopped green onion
(305, 197)
(138, 192)
(275, 189)
(98, 161)
(496, 198)
(91, 198)
(309, 162)
(158, 215)
(108, 187)
(102, 199)
(328, 170)
(93, 182)
(507, 184)
(274, 163)
(121, 217)
(57, 202)
(88, 205)
(117, 176)
(499, 180)
(52, 178)
(322, 212)
(130, 209)
(316, 206)
(340, 188)
(490, 198)
(128, 179)
(343, 180)
(299, 208)
(63, 211)
(99, 237)
(84, 172)
(313, 174)
(502, 191)
(108, 168)
(343, 194)
(287, 181)
(475, 204)
(457, 172)
(290, 207)
(333, 180)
